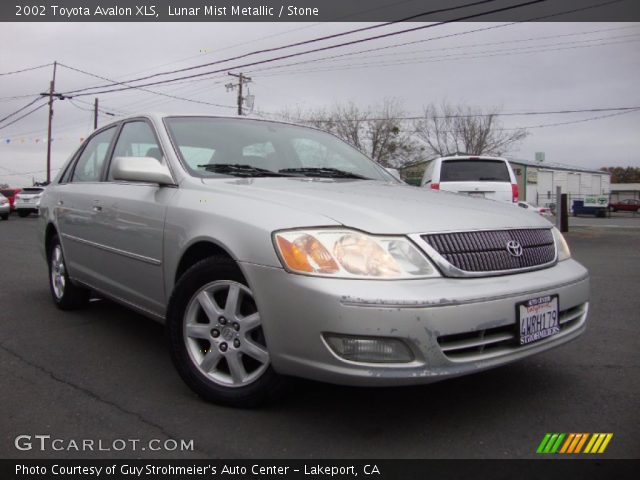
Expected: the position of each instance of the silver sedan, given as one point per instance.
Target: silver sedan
(272, 250)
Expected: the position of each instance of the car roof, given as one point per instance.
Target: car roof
(472, 157)
(159, 116)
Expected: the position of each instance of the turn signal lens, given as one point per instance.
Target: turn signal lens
(351, 254)
(306, 254)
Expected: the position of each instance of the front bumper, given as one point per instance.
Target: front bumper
(297, 310)
(5, 209)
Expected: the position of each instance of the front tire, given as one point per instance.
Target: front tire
(215, 336)
(5, 217)
(65, 294)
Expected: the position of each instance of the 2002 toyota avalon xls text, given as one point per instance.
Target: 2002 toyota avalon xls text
(274, 250)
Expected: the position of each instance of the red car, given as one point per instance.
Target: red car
(10, 193)
(626, 206)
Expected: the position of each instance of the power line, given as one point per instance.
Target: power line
(546, 125)
(313, 40)
(468, 17)
(441, 58)
(26, 69)
(254, 40)
(104, 110)
(140, 88)
(476, 115)
(599, 117)
(23, 116)
(361, 41)
(111, 114)
(348, 54)
(21, 109)
(18, 97)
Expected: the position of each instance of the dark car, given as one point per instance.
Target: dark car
(10, 193)
(629, 205)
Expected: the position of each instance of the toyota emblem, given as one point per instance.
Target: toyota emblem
(514, 248)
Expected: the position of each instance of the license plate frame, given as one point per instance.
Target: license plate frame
(532, 328)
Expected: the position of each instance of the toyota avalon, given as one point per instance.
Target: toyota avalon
(272, 250)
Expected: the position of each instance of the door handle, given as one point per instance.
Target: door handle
(97, 208)
(60, 202)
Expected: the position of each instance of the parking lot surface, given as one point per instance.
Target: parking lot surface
(104, 373)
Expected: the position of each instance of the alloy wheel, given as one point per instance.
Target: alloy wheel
(223, 334)
(58, 279)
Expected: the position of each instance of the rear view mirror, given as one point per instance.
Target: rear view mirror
(141, 169)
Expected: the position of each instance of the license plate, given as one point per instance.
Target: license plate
(538, 318)
(476, 194)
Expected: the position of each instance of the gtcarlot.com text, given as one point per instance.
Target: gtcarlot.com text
(48, 443)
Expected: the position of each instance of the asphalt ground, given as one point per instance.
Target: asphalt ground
(104, 374)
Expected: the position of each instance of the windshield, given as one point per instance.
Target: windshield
(211, 147)
(474, 171)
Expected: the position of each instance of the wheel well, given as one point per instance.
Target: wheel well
(196, 252)
(48, 236)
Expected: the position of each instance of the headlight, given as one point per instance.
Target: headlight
(350, 254)
(561, 245)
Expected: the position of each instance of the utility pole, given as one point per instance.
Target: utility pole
(52, 96)
(95, 113)
(242, 79)
(52, 87)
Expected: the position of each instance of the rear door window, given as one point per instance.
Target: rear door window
(474, 171)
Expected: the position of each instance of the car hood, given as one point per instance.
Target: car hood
(378, 207)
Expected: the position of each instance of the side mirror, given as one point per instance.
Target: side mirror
(141, 169)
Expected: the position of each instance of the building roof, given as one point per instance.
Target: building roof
(554, 166)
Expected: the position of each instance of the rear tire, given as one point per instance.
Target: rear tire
(65, 294)
(5, 217)
(215, 336)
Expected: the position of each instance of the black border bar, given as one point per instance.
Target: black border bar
(584, 469)
(315, 10)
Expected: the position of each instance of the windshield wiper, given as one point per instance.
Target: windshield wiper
(240, 170)
(323, 172)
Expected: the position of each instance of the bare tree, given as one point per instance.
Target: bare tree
(448, 129)
(374, 130)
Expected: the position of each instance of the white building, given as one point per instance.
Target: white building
(537, 181)
(625, 191)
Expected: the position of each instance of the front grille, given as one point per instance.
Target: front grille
(492, 342)
(486, 251)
